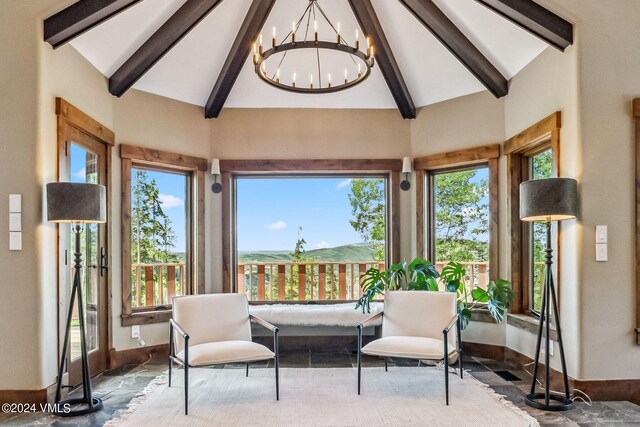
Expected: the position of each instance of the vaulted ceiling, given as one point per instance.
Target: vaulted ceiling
(197, 51)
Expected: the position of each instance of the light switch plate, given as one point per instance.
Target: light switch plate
(15, 222)
(15, 202)
(601, 252)
(601, 234)
(15, 240)
(135, 331)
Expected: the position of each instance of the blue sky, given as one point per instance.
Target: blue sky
(172, 189)
(270, 210)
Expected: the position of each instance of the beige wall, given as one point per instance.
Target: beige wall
(549, 84)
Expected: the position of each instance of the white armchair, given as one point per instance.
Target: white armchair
(215, 329)
(416, 325)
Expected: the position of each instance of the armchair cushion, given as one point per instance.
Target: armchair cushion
(408, 347)
(226, 352)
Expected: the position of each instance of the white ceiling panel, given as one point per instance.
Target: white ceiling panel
(189, 71)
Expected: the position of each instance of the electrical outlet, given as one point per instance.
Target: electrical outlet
(135, 332)
(543, 351)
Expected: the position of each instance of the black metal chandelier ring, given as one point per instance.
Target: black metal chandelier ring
(275, 81)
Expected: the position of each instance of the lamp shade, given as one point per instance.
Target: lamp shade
(406, 165)
(553, 199)
(76, 202)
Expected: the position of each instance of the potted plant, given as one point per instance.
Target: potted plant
(422, 275)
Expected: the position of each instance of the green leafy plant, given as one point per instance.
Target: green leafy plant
(422, 275)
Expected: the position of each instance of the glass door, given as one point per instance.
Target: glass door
(84, 161)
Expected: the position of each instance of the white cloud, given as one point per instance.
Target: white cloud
(278, 225)
(321, 245)
(343, 184)
(169, 201)
(81, 174)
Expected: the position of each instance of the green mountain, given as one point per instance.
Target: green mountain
(356, 252)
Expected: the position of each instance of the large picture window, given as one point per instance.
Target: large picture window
(308, 238)
(302, 230)
(162, 223)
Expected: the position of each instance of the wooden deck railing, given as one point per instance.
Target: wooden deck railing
(156, 284)
(288, 281)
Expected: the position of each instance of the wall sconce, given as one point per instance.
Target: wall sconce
(405, 185)
(215, 171)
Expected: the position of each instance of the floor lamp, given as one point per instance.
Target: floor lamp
(77, 204)
(547, 200)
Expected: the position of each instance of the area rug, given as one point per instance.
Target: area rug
(404, 396)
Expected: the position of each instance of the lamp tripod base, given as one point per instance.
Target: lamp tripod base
(557, 402)
(82, 406)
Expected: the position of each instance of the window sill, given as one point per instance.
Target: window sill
(483, 316)
(530, 324)
(146, 318)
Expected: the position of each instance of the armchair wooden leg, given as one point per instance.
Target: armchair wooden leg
(247, 364)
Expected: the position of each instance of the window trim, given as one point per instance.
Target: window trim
(194, 168)
(635, 113)
(230, 169)
(425, 167)
(539, 137)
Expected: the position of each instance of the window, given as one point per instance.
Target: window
(458, 193)
(532, 154)
(308, 237)
(257, 194)
(162, 220)
(460, 214)
(540, 167)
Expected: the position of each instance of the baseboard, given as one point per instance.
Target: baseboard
(45, 395)
(136, 356)
(485, 351)
(622, 389)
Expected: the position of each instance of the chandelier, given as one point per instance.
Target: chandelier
(295, 59)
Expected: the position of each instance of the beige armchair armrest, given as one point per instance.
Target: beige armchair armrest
(263, 323)
(370, 320)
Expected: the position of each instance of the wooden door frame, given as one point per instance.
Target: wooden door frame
(70, 116)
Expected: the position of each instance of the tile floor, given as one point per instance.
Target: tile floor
(118, 387)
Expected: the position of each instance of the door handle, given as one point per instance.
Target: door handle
(103, 262)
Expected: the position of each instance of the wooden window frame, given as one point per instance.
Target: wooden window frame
(519, 149)
(426, 167)
(635, 108)
(231, 169)
(194, 168)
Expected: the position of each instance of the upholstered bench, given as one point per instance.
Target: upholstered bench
(310, 325)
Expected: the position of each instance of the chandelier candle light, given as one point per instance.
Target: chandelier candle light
(361, 62)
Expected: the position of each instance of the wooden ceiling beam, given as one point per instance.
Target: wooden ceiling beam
(536, 19)
(161, 42)
(459, 45)
(370, 25)
(249, 30)
(80, 17)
